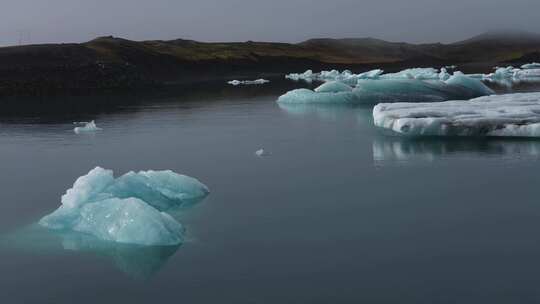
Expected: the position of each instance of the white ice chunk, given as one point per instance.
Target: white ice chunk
(88, 127)
(248, 82)
(497, 115)
(261, 153)
(528, 73)
(127, 209)
(534, 65)
(333, 87)
(414, 73)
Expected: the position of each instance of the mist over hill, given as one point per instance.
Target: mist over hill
(109, 62)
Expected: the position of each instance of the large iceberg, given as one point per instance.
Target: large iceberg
(128, 209)
(373, 91)
(498, 115)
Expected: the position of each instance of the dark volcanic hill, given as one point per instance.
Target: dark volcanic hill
(109, 62)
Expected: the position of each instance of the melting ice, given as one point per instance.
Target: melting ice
(247, 82)
(398, 89)
(129, 209)
(87, 127)
(498, 115)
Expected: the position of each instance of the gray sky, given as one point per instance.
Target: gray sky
(39, 21)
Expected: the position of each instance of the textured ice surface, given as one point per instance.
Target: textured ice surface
(497, 115)
(374, 91)
(333, 87)
(534, 65)
(248, 82)
(128, 209)
(334, 75)
(87, 127)
(414, 73)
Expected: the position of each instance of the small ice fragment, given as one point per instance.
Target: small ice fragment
(248, 82)
(261, 153)
(88, 127)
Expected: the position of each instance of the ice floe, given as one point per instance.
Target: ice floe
(533, 65)
(498, 115)
(87, 127)
(129, 209)
(372, 91)
(248, 82)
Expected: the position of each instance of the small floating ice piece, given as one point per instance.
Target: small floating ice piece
(88, 127)
(261, 153)
(128, 209)
(248, 82)
(497, 115)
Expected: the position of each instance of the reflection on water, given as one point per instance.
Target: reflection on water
(331, 112)
(140, 262)
(388, 149)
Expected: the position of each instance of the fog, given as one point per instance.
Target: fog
(38, 21)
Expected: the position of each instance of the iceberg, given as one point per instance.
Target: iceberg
(248, 82)
(334, 75)
(87, 127)
(129, 209)
(457, 86)
(512, 115)
(534, 65)
(414, 73)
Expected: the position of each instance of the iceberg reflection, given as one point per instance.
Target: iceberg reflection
(140, 262)
(391, 149)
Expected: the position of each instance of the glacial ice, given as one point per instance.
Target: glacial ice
(373, 91)
(87, 127)
(334, 75)
(534, 65)
(497, 115)
(509, 75)
(261, 153)
(333, 87)
(248, 82)
(414, 73)
(128, 209)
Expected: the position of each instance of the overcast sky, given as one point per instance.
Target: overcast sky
(39, 21)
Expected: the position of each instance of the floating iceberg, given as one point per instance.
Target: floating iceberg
(248, 82)
(509, 75)
(457, 86)
(334, 75)
(534, 65)
(498, 115)
(88, 127)
(128, 209)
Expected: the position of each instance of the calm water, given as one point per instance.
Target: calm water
(338, 213)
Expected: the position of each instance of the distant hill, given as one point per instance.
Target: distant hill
(115, 62)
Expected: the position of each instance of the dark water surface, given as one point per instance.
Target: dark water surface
(338, 213)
